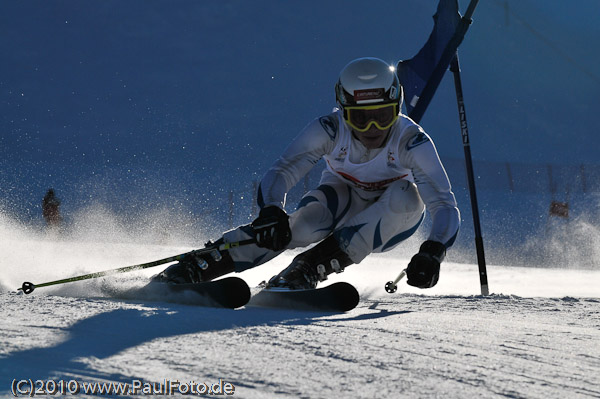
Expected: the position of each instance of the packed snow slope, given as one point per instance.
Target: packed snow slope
(535, 336)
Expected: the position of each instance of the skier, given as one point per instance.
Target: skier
(382, 172)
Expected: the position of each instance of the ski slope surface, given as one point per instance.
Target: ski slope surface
(535, 336)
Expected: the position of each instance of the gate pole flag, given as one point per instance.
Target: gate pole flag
(421, 75)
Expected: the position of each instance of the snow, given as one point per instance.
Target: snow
(535, 336)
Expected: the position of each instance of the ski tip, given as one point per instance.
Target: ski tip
(348, 296)
(239, 292)
(228, 292)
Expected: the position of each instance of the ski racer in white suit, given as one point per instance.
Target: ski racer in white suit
(382, 172)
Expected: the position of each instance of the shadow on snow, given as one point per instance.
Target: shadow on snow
(106, 334)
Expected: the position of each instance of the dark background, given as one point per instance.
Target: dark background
(141, 105)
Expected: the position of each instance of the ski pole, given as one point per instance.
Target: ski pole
(392, 286)
(28, 287)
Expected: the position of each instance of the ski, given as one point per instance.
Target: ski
(337, 297)
(229, 292)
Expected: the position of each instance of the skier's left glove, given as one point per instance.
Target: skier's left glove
(423, 271)
(272, 228)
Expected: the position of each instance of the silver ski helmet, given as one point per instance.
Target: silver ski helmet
(369, 93)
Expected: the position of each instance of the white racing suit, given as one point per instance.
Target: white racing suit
(369, 199)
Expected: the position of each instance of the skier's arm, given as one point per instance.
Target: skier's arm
(421, 157)
(314, 141)
(434, 187)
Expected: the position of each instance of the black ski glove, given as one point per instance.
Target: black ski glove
(272, 228)
(423, 271)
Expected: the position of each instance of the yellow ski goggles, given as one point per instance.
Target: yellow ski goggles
(361, 118)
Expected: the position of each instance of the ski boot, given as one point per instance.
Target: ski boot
(312, 266)
(197, 268)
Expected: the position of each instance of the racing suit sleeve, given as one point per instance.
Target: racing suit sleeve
(314, 141)
(420, 155)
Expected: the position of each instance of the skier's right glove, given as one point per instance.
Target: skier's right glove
(272, 228)
(423, 271)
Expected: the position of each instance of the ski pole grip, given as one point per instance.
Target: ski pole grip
(28, 287)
